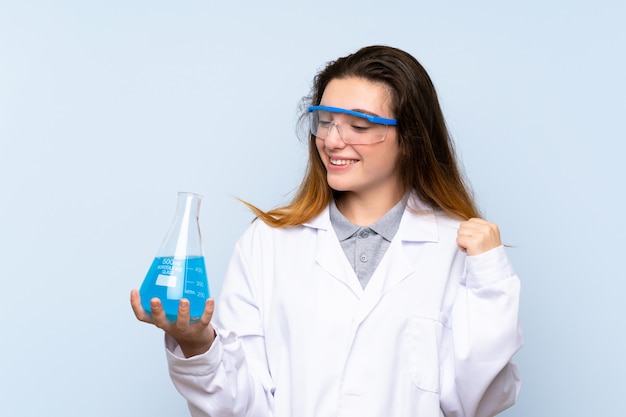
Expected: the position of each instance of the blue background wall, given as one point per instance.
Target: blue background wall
(108, 108)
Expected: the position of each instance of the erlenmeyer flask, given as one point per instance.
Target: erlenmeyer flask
(178, 270)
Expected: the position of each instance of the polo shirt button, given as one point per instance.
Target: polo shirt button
(364, 234)
(363, 258)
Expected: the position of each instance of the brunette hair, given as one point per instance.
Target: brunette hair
(427, 162)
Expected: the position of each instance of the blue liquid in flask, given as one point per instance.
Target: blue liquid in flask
(170, 279)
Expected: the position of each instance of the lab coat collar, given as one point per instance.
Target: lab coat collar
(419, 222)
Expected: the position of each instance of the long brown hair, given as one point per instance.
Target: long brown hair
(427, 162)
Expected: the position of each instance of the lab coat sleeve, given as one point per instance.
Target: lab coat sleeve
(231, 379)
(479, 377)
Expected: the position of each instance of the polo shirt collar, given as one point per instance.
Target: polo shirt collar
(418, 224)
(386, 226)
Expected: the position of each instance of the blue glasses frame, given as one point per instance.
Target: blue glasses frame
(368, 117)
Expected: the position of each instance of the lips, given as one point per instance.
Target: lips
(341, 162)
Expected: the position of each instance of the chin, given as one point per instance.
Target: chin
(338, 185)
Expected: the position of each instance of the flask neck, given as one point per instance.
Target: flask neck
(183, 238)
(188, 206)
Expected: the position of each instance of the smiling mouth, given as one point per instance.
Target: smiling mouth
(342, 161)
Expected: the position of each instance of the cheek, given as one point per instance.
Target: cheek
(319, 144)
(386, 164)
(390, 156)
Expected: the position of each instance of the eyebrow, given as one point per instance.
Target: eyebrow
(359, 110)
(366, 112)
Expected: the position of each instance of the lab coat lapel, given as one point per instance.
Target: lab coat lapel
(395, 266)
(393, 269)
(330, 255)
(415, 227)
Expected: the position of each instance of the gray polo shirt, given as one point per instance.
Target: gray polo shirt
(365, 245)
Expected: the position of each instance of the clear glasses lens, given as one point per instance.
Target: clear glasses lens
(353, 130)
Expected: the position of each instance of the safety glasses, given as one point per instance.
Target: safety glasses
(354, 128)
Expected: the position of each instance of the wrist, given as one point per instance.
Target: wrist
(198, 347)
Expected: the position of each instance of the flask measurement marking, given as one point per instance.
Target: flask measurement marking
(171, 279)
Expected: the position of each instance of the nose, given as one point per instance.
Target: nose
(333, 139)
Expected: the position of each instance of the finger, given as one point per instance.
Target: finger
(482, 224)
(465, 235)
(182, 320)
(476, 236)
(464, 240)
(158, 314)
(473, 225)
(207, 314)
(461, 245)
(478, 227)
(140, 313)
(477, 220)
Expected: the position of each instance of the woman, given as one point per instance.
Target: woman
(378, 291)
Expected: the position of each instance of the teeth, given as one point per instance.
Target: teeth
(342, 161)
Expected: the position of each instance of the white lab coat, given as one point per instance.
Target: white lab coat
(432, 334)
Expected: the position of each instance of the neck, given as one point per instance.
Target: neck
(364, 210)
